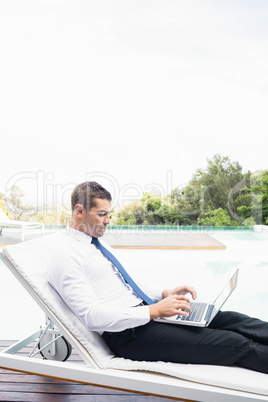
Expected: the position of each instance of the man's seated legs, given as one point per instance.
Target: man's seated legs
(184, 344)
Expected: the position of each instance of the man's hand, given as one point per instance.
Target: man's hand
(180, 290)
(173, 302)
(169, 306)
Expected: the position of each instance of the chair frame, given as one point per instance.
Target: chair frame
(7, 222)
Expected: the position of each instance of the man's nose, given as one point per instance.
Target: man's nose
(107, 219)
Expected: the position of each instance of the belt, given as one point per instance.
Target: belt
(141, 304)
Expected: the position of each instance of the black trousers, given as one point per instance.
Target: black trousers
(230, 339)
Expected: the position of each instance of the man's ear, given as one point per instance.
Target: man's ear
(78, 209)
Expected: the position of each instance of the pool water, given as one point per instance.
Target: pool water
(207, 270)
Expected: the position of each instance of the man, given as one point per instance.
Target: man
(99, 295)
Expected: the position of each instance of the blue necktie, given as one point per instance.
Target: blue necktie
(122, 270)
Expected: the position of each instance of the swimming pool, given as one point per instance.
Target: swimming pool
(207, 270)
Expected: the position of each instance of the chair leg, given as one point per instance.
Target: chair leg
(51, 344)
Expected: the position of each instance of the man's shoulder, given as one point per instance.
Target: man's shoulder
(67, 252)
(68, 246)
(62, 240)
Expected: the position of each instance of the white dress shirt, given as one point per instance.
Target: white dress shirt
(93, 287)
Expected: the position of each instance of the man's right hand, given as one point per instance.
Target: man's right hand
(171, 305)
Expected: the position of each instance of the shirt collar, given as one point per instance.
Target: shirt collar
(80, 236)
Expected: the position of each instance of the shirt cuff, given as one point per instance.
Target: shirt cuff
(139, 316)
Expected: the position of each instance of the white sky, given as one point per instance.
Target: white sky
(140, 92)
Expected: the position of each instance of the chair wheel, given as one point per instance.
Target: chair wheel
(63, 348)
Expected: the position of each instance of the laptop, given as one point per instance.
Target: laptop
(203, 313)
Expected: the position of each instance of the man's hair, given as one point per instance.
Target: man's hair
(86, 193)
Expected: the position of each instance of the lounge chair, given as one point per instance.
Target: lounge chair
(28, 262)
(7, 222)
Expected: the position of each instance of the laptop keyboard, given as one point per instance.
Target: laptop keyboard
(196, 314)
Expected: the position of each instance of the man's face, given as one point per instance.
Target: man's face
(96, 220)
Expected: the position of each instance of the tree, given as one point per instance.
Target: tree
(151, 209)
(213, 188)
(252, 201)
(219, 217)
(14, 204)
(2, 200)
(3, 208)
(133, 213)
(56, 216)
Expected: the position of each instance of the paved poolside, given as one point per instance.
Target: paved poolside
(150, 239)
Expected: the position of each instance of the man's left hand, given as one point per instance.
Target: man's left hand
(180, 290)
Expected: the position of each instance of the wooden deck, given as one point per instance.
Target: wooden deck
(18, 386)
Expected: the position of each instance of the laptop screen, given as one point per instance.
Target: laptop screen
(229, 288)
